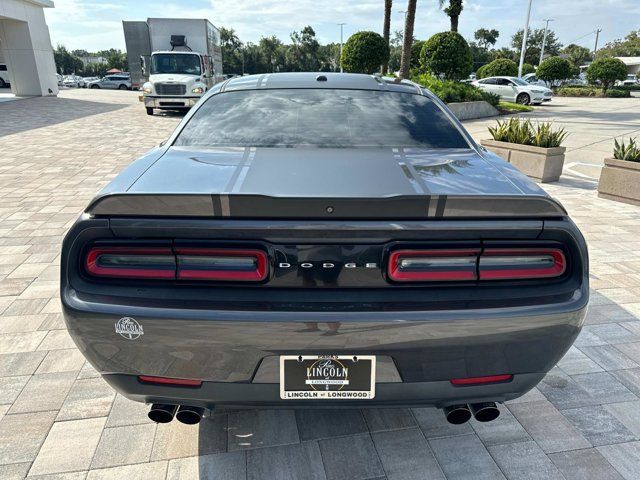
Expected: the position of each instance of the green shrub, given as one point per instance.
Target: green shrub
(416, 49)
(528, 68)
(499, 67)
(447, 54)
(364, 52)
(630, 88)
(591, 91)
(554, 70)
(510, 107)
(606, 71)
(630, 151)
(617, 93)
(450, 91)
(523, 132)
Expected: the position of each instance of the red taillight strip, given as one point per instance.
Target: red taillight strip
(189, 272)
(143, 271)
(434, 270)
(505, 271)
(481, 380)
(180, 382)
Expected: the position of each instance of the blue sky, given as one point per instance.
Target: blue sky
(95, 25)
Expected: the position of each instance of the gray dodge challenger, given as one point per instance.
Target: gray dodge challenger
(322, 240)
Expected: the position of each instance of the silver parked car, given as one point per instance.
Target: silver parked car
(514, 89)
(115, 82)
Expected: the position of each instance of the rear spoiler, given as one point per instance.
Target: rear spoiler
(263, 206)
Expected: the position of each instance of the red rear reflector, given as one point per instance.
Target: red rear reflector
(181, 382)
(131, 262)
(222, 264)
(482, 380)
(433, 265)
(523, 263)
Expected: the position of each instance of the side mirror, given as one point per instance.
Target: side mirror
(143, 66)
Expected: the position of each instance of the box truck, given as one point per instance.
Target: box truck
(173, 61)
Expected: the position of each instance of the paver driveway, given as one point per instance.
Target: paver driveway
(57, 415)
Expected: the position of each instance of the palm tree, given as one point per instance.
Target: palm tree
(407, 40)
(453, 11)
(386, 28)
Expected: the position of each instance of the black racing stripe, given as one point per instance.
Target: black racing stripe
(442, 200)
(217, 206)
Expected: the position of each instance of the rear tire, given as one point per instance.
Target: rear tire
(122, 87)
(523, 99)
(149, 110)
(2, 84)
(95, 86)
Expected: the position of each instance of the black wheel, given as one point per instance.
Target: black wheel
(523, 99)
(149, 110)
(2, 84)
(95, 86)
(122, 87)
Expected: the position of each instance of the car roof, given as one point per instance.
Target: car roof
(317, 80)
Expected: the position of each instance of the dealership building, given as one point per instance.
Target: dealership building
(25, 47)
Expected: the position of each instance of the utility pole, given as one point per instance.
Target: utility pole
(595, 49)
(524, 40)
(544, 38)
(341, 25)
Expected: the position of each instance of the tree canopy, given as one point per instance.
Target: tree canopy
(364, 52)
(606, 71)
(534, 44)
(555, 70)
(486, 37)
(447, 54)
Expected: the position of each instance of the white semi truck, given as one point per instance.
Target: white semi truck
(173, 61)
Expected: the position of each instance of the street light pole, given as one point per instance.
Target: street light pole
(341, 25)
(524, 40)
(595, 49)
(544, 38)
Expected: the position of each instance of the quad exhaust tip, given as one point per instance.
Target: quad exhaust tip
(161, 413)
(485, 412)
(190, 415)
(482, 412)
(457, 414)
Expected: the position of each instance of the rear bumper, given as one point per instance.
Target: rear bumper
(169, 102)
(415, 394)
(225, 349)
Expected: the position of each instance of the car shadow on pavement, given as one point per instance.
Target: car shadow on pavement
(37, 112)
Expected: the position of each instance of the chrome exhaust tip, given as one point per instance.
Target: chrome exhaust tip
(161, 413)
(189, 415)
(457, 414)
(485, 412)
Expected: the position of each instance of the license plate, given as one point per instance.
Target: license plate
(332, 377)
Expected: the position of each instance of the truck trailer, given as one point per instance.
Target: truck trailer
(173, 61)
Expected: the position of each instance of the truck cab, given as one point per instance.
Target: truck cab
(173, 61)
(177, 80)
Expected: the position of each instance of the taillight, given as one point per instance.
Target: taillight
(469, 264)
(433, 265)
(221, 264)
(131, 262)
(525, 263)
(166, 263)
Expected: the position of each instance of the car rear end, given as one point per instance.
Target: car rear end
(425, 276)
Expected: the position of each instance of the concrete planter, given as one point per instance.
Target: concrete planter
(620, 180)
(541, 164)
(471, 110)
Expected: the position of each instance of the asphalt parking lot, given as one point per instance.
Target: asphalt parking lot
(58, 417)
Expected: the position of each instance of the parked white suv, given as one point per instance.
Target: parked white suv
(4, 76)
(514, 89)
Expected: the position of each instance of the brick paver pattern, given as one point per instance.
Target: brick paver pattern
(58, 416)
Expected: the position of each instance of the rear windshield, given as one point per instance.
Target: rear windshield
(321, 118)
